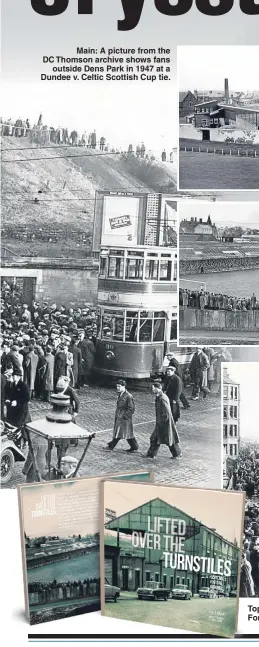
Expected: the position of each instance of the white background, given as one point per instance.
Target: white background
(14, 623)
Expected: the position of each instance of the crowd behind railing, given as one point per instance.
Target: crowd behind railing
(205, 300)
(44, 135)
(45, 592)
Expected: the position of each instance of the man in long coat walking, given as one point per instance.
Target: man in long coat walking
(198, 370)
(165, 432)
(172, 389)
(123, 425)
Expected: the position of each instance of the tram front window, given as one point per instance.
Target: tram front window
(134, 268)
(131, 330)
(113, 325)
(159, 326)
(145, 326)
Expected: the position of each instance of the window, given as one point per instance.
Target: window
(147, 576)
(164, 580)
(159, 326)
(151, 272)
(235, 431)
(134, 268)
(204, 122)
(225, 449)
(225, 411)
(225, 391)
(103, 266)
(231, 450)
(171, 582)
(113, 324)
(145, 326)
(231, 430)
(165, 270)
(183, 580)
(231, 411)
(235, 412)
(173, 333)
(116, 267)
(177, 579)
(225, 431)
(156, 577)
(231, 392)
(235, 392)
(131, 331)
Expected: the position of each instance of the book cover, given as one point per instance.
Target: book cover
(171, 556)
(59, 524)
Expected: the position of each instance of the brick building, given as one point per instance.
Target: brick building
(187, 101)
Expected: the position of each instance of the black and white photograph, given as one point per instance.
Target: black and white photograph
(241, 459)
(91, 340)
(105, 139)
(218, 118)
(218, 273)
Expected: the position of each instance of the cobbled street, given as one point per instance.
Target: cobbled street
(199, 429)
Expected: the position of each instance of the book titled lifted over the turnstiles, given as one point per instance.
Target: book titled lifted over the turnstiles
(170, 556)
(60, 523)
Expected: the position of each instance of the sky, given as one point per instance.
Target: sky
(206, 67)
(247, 375)
(220, 213)
(211, 507)
(123, 113)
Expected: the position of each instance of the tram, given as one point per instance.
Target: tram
(137, 307)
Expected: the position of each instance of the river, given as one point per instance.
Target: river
(240, 283)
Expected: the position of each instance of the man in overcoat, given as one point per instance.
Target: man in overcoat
(17, 398)
(165, 432)
(123, 425)
(198, 370)
(173, 388)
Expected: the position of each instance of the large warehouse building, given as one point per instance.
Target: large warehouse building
(130, 568)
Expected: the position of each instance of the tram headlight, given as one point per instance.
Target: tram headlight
(109, 355)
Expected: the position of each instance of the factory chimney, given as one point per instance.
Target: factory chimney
(226, 91)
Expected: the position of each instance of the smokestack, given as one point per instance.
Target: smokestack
(226, 90)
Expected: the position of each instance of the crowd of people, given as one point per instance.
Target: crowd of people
(45, 592)
(45, 135)
(45, 349)
(42, 344)
(245, 476)
(205, 300)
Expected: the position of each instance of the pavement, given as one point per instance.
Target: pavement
(199, 429)
(212, 617)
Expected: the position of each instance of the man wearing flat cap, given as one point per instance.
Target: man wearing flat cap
(123, 425)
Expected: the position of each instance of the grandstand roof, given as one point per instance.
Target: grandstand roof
(190, 249)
